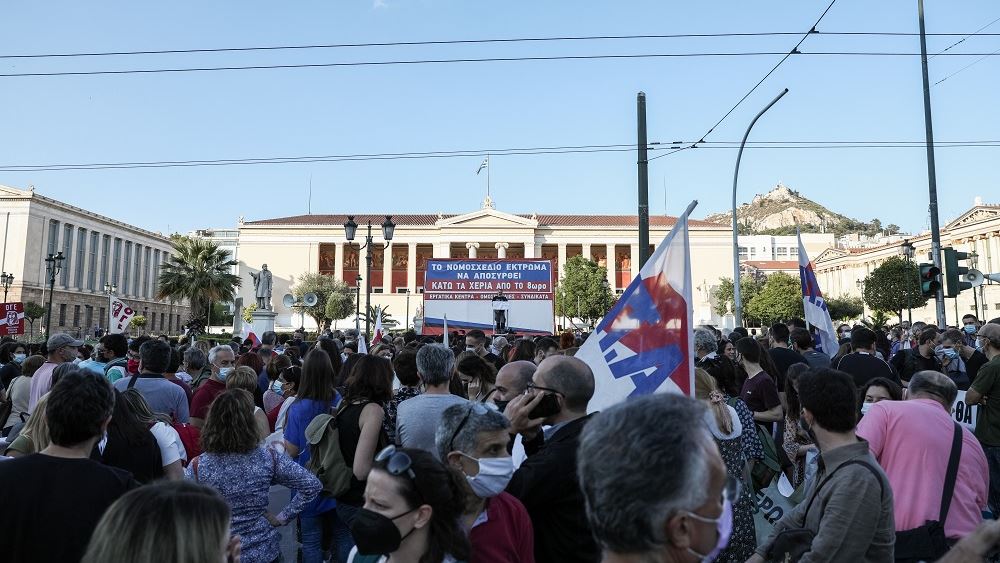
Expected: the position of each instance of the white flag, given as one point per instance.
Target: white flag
(445, 340)
(362, 345)
(817, 315)
(120, 315)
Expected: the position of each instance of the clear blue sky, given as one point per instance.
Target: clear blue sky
(269, 113)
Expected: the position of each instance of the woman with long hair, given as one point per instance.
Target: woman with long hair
(404, 366)
(19, 392)
(174, 521)
(244, 378)
(411, 513)
(172, 452)
(34, 436)
(360, 423)
(478, 376)
(233, 463)
(12, 355)
(726, 428)
(129, 445)
(759, 390)
(795, 442)
(285, 386)
(316, 396)
(272, 396)
(523, 349)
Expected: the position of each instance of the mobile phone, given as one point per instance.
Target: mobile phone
(548, 406)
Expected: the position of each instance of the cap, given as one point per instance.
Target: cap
(990, 331)
(62, 339)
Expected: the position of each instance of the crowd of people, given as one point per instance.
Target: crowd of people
(486, 450)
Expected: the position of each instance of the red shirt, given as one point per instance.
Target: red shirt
(503, 534)
(204, 396)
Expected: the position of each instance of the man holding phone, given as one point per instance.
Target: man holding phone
(546, 483)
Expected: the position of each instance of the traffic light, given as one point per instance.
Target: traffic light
(954, 274)
(929, 282)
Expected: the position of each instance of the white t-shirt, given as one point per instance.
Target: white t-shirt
(171, 447)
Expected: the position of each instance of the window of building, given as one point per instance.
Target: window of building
(88, 317)
(400, 290)
(376, 290)
(62, 314)
(76, 315)
(126, 269)
(102, 317)
(81, 256)
(753, 252)
(781, 252)
(743, 252)
(152, 321)
(105, 252)
(793, 251)
(116, 264)
(67, 250)
(53, 237)
(92, 267)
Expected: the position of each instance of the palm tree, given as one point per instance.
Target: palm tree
(199, 271)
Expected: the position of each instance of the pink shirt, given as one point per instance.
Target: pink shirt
(41, 383)
(911, 441)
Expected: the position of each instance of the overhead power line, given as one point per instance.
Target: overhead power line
(500, 40)
(962, 40)
(672, 147)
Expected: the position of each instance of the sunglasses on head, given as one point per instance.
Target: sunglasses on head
(396, 462)
(480, 410)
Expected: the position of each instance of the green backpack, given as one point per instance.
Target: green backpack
(326, 460)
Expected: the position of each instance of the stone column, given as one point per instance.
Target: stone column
(501, 249)
(387, 269)
(338, 262)
(529, 249)
(586, 251)
(411, 267)
(473, 247)
(561, 260)
(612, 267)
(634, 261)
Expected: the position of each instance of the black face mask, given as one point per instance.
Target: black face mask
(375, 534)
(501, 405)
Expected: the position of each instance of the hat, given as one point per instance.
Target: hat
(990, 331)
(62, 339)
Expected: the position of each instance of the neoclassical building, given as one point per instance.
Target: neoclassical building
(841, 271)
(294, 245)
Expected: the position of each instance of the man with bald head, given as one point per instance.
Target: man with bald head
(921, 433)
(512, 380)
(546, 482)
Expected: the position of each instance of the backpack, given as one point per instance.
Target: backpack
(117, 362)
(191, 438)
(326, 461)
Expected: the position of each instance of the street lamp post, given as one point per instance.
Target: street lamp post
(737, 300)
(357, 306)
(407, 326)
(350, 228)
(973, 264)
(110, 289)
(909, 251)
(53, 265)
(6, 279)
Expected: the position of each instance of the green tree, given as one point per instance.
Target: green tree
(387, 321)
(778, 300)
(583, 292)
(749, 287)
(219, 315)
(894, 286)
(199, 271)
(340, 304)
(138, 322)
(843, 308)
(33, 311)
(323, 286)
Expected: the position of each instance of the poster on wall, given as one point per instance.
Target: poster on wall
(469, 292)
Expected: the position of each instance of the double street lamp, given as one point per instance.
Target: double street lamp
(350, 229)
(53, 265)
(6, 280)
(909, 251)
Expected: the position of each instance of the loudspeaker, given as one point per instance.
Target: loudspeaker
(288, 300)
(310, 299)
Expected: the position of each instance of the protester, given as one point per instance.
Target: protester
(759, 391)
(233, 463)
(61, 349)
(987, 385)
(477, 374)
(849, 508)
(417, 419)
(545, 347)
(726, 429)
(162, 395)
(862, 364)
(920, 495)
(168, 521)
(115, 356)
(522, 349)
(676, 503)
(244, 378)
(512, 379)
(54, 499)
(970, 326)
(411, 512)
(477, 342)
(12, 355)
(404, 366)
(193, 366)
(34, 435)
(316, 396)
(19, 392)
(272, 395)
(563, 386)
(287, 386)
(472, 439)
(802, 342)
(172, 452)
(359, 422)
(877, 390)
(222, 361)
(959, 360)
(781, 353)
(170, 374)
(921, 358)
(795, 442)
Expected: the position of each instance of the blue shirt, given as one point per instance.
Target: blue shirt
(300, 414)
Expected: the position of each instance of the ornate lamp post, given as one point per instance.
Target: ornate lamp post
(908, 251)
(6, 280)
(350, 229)
(53, 265)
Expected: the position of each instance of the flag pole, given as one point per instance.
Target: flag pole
(487, 175)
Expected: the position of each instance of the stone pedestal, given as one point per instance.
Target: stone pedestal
(263, 321)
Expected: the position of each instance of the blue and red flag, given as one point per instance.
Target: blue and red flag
(817, 314)
(645, 343)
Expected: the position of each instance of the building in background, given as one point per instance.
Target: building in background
(98, 250)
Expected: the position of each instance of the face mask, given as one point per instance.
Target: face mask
(224, 372)
(494, 474)
(77, 360)
(470, 349)
(949, 353)
(132, 366)
(805, 426)
(19, 358)
(376, 534)
(276, 388)
(969, 329)
(501, 405)
(865, 407)
(723, 525)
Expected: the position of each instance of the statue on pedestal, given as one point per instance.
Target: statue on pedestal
(262, 288)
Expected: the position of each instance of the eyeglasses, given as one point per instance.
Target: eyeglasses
(532, 387)
(396, 462)
(480, 410)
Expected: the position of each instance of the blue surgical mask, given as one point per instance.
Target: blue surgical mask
(969, 329)
(19, 358)
(276, 388)
(224, 372)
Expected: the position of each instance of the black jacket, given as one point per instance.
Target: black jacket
(546, 483)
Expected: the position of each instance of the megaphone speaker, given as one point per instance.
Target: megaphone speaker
(974, 277)
(288, 300)
(310, 300)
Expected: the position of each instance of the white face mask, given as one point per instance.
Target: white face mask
(224, 372)
(494, 475)
(865, 407)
